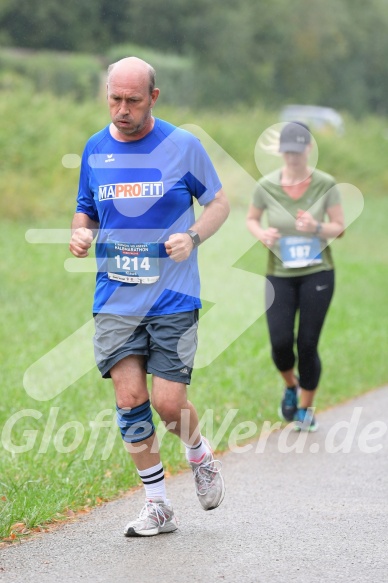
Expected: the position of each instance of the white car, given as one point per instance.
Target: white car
(315, 116)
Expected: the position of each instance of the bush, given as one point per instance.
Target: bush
(77, 75)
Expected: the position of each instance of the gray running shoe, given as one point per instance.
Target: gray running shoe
(156, 517)
(209, 483)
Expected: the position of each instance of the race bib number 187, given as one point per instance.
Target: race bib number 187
(300, 251)
(133, 262)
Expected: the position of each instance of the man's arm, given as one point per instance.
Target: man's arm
(83, 232)
(212, 217)
(180, 245)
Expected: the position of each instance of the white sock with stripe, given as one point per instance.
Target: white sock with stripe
(154, 482)
(195, 453)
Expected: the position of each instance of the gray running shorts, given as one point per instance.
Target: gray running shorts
(168, 342)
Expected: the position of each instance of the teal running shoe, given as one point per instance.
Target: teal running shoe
(304, 420)
(289, 405)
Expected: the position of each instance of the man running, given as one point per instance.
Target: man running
(139, 178)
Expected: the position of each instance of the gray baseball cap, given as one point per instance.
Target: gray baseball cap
(294, 137)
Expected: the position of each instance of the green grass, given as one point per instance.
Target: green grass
(42, 304)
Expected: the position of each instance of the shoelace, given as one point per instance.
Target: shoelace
(156, 510)
(204, 476)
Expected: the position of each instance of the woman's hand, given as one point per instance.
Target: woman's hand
(305, 222)
(269, 236)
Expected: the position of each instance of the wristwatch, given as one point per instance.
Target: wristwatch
(194, 238)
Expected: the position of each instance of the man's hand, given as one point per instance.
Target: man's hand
(81, 241)
(179, 246)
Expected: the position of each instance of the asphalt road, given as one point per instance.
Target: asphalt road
(312, 508)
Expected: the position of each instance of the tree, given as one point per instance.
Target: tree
(325, 52)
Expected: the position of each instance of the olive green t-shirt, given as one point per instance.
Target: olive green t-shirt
(292, 254)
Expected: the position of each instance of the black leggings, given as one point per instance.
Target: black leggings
(311, 296)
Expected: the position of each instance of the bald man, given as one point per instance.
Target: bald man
(139, 179)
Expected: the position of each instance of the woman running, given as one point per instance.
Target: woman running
(303, 211)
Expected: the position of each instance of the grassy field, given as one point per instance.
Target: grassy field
(53, 459)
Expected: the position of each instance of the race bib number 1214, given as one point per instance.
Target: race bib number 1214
(133, 262)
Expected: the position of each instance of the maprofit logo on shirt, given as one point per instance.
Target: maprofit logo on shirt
(130, 190)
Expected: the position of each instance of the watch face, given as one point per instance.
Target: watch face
(194, 237)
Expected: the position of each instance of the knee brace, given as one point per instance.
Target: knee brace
(135, 424)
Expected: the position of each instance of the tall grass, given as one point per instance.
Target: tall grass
(60, 73)
(42, 304)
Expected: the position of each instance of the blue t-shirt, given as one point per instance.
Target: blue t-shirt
(140, 193)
